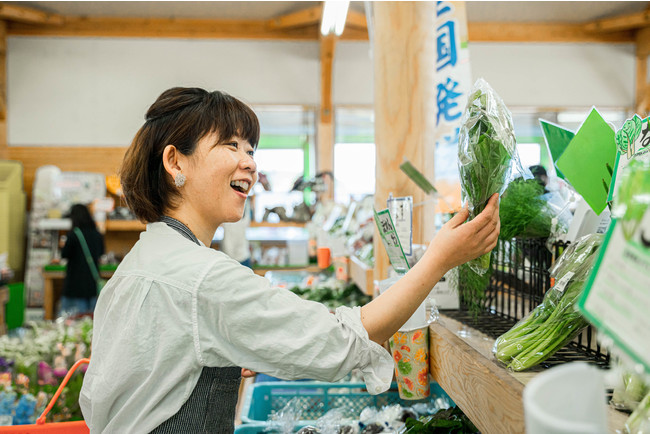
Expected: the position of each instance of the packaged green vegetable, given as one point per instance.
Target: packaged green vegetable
(639, 420)
(486, 153)
(633, 198)
(556, 321)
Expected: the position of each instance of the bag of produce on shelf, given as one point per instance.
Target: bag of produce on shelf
(639, 420)
(555, 322)
(486, 153)
(629, 390)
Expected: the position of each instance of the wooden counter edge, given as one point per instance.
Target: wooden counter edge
(488, 395)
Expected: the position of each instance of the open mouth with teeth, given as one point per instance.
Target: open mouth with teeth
(240, 186)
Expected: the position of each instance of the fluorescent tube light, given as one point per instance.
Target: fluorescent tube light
(334, 15)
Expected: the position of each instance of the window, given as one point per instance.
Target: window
(354, 153)
(283, 155)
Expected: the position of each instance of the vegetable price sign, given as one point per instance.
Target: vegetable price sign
(617, 296)
(633, 143)
(391, 241)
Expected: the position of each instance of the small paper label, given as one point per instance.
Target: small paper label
(401, 211)
(562, 283)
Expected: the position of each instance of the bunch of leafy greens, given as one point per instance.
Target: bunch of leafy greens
(486, 150)
(333, 297)
(556, 321)
(523, 213)
(471, 288)
(450, 421)
(633, 197)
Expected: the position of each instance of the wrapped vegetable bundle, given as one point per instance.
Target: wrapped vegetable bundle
(633, 200)
(555, 322)
(639, 420)
(486, 153)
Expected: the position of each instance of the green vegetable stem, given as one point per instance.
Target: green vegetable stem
(556, 321)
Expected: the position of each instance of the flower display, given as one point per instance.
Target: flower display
(33, 361)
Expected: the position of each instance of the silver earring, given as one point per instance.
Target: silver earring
(179, 180)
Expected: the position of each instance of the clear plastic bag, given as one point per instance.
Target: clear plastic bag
(556, 321)
(486, 153)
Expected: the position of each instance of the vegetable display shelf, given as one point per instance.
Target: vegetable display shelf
(462, 363)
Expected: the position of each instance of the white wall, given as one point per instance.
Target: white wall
(94, 92)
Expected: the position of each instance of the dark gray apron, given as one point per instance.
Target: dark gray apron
(211, 405)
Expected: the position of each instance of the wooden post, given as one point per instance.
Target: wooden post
(642, 91)
(4, 150)
(325, 141)
(404, 63)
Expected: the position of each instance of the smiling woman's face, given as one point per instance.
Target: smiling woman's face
(219, 178)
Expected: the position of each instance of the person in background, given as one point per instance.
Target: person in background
(540, 175)
(180, 323)
(234, 243)
(79, 286)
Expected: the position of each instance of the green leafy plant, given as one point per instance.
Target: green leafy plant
(486, 149)
(523, 213)
(450, 421)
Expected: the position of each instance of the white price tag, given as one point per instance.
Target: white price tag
(561, 284)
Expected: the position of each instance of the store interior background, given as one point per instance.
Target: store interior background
(73, 93)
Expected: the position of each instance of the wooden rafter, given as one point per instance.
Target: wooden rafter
(28, 15)
(263, 29)
(327, 47)
(357, 20)
(305, 17)
(622, 22)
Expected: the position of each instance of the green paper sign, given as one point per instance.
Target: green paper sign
(557, 139)
(391, 241)
(589, 159)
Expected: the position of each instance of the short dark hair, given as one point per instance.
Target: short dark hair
(180, 117)
(81, 217)
(538, 170)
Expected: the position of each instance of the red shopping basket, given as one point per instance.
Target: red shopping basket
(77, 427)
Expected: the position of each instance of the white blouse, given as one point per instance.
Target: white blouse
(173, 307)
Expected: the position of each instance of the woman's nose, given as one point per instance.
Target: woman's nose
(247, 163)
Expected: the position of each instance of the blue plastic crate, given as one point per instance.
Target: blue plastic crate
(317, 398)
(250, 428)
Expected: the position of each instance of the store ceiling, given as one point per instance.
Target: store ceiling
(477, 11)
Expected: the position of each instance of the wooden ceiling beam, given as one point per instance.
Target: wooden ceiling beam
(259, 29)
(541, 32)
(305, 17)
(111, 27)
(355, 19)
(622, 22)
(28, 15)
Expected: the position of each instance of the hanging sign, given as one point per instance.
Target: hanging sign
(617, 296)
(453, 81)
(632, 143)
(401, 212)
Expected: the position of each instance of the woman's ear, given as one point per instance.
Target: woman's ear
(171, 160)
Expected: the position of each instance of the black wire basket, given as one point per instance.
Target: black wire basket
(519, 280)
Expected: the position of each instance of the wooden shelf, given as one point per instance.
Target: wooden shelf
(276, 225)
(489, 395)
(362, 275)
(124, 225)
(261, 271)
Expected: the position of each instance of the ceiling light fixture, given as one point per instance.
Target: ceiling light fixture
(334, 15)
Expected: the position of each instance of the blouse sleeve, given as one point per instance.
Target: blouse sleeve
(243, 321)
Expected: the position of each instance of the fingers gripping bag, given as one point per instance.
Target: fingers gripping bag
(487, 153)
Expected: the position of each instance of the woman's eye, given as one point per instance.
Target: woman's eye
(251, 153)
(234, 144)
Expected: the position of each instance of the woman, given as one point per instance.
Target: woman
(178, 321)
(80, 286)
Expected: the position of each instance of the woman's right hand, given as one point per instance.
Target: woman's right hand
(458, 242)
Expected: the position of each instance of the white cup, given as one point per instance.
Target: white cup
(567, 399)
